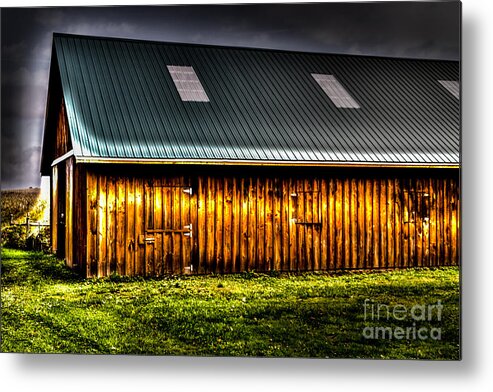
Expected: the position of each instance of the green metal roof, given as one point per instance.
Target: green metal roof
(264, 105)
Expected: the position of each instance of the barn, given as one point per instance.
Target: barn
(171, 158)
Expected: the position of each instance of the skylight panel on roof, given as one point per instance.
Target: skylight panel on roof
(452, 86)
(335, 91)
(188, 84)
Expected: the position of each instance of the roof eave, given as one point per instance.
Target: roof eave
(230, 162)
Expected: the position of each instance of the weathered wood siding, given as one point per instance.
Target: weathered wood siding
(63, 142)
(328, 221)
(69, 211)
(62, 172)
(79, 233)
(54, 208)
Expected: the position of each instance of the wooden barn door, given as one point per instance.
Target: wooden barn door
(308, 222)
(168, 229)
(417, 221)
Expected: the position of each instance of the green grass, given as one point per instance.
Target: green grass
(48, 309)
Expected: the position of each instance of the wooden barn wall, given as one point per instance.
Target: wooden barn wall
(63, 142)
(62, 172)
(69, 210)
(54, 208)
(79, 245)
(63, 205)
(272, 220)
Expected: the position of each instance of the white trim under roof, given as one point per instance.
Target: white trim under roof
(62, 158)
(181, 161)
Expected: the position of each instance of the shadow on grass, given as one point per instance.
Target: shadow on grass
(20, 267)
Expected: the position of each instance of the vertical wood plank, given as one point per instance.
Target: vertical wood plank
(382, 228)
(277, 196)
(244, 194)
(260, 232)
(269, 225)
(228, 220)
(219, 210)
(131, 240)
(236, 216)
(391, 262)
(457, 221)
(120, 226)
(179, 240)
(346, 204)
(316, 230)
(353, 220)
(210, 262)
(102, 226)
(54, 209)
(453, 220)
(361, 223)
(324, 232)
(79, 220)
(308, 229)
(369, 223)
(285, 225)
(252, 224)
(406, 222)
(412, 224)
(69, 210)
(140, 261)
(419, 222)
(339, 224)
(111, 227)
(92, 224)
(446, 221)
(170, 263)
(426, 222)
(293, 216)
(148, 204)
(299, 228)
(433, 223)
(440, 236)
(201, 224)
(194, 220)
(397, 199)
(376, 224)
(158, 223)
(181, 257)
(186, 200)
(331, 202)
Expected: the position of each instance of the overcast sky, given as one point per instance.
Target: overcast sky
(416, 29)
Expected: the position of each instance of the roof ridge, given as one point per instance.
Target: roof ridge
(263, 49)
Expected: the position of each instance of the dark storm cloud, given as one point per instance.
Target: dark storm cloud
(423, 30)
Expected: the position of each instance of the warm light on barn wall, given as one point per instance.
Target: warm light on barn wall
(294, 219)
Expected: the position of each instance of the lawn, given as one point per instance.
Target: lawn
(48, 309)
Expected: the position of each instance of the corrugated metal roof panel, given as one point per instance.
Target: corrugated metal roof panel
(263, 105)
